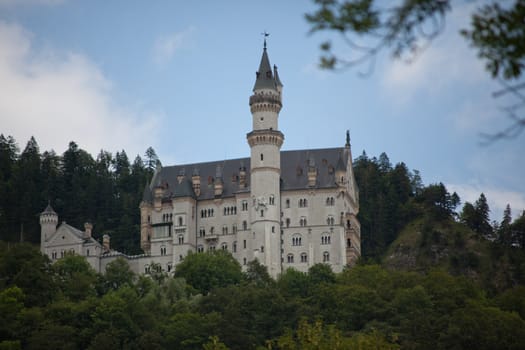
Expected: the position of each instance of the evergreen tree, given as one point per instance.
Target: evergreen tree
(28, 188)
(483, 211)
(504, 229)
(151, 159)
(8, 158)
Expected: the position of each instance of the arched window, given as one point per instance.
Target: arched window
(300, 203)
(234, 247)
(244, 225)
(272, 200)
(305, 202)
(180, 221)
(349, 243)
(290, 258)
(200, 248)
(181, 239)
(262, 157)
(302, 221)
(304, 257)
(287, 222)
(163, 250)
(211, 230)
(326, 257)
(297, 240)
(224, 246)
(287, 203)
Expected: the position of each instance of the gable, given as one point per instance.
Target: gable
(65, 235)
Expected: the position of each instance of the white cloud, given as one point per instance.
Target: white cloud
(448, 64)
(497, 198)
(166, 46)
(60, 97)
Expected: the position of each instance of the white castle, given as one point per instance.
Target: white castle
(288, 209)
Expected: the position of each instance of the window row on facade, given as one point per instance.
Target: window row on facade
(290, 258)
(304, 222)
(297, 239)
(303, 202)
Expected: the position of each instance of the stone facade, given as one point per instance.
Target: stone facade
(284, 208)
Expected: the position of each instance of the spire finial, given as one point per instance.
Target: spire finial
(347, 138)
(265, 36)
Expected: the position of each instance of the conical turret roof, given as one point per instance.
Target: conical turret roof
(265, 78)
(49, 209)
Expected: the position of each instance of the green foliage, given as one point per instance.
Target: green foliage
(206, 271)
(385, 202)
(75, 277)
(118, 274)
(24, 266)
(406, 27)
(498, 34)
(105, 191)
(364, 307)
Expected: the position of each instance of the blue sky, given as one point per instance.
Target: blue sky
(177, 75)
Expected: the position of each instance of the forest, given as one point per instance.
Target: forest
(432, 275)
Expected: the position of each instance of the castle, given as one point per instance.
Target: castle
(284, 208)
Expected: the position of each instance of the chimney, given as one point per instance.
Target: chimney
(105, 243)
(88, 229)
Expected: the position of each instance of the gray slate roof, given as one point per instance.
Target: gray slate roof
(294, 174)
(76, 232)
(265, 78)
(48, 210)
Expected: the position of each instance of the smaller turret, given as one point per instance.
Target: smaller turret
(48, 223)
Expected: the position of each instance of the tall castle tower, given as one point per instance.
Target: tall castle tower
(265, 142)
(48, 225)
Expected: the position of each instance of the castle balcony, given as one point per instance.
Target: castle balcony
(269, 137)
(212, 238)
(268, 99)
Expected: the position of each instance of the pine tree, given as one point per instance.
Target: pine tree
(504, 230)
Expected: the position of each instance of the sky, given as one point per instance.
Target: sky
(177, 76)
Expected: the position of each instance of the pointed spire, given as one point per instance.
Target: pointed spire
(49, 209)
(347, 144)
(264, 76)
